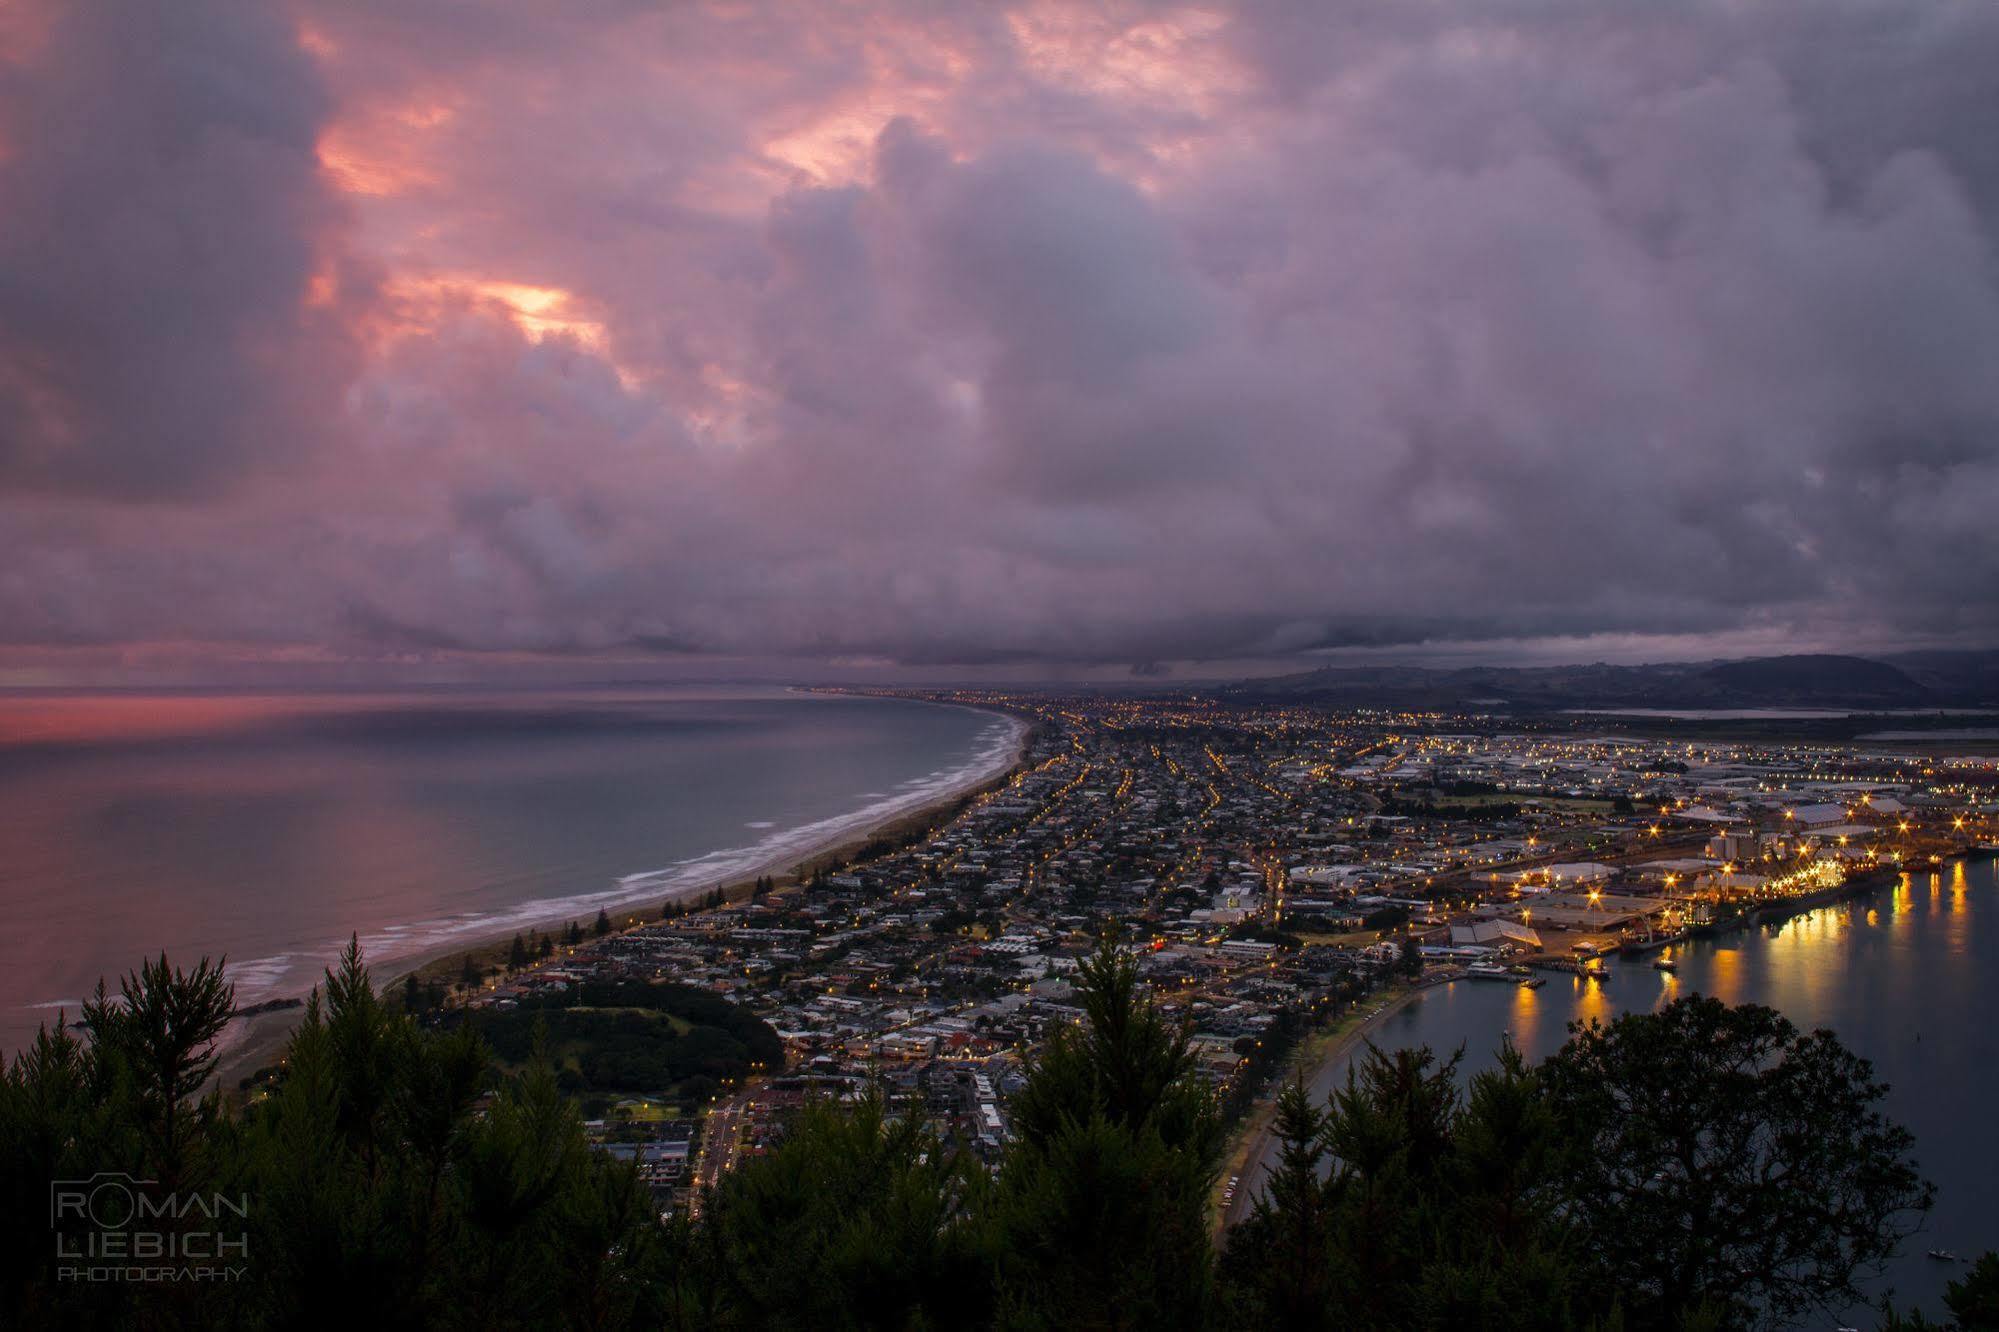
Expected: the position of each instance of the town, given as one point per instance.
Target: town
(1271, 867)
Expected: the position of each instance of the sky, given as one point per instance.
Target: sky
(887, 338)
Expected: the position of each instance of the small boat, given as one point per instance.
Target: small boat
(1664, 964)
(1597, 973)
(1489, 971)
(1943, 1255)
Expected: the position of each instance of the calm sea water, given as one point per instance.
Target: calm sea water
(1907, 976)
(269, 828)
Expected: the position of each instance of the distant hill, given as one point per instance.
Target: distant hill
(1850, 680)
(1936, 680)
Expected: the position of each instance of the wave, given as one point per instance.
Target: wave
(994, 751)
(255, 980)
(258, 977)
(291, 973)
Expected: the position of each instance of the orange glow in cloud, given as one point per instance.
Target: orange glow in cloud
(380, 152)
(322, 290)
(423, 304)
(834, 149)
(358, 167)
(538, 312)
(910, 75)
(315, 42)
(1172, 61)
(542, 312)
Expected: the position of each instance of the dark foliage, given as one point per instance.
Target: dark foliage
(1699, 1168)
(622, 1036)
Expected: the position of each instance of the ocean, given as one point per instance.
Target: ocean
(1906, 975)
(268, 828)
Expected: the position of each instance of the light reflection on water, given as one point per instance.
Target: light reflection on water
(1907, 976)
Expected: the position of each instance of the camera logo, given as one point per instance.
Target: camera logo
(118, 1227)
(107, 1200)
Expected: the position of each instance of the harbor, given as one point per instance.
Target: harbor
(1902, 965)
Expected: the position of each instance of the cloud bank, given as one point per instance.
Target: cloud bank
(958, 335)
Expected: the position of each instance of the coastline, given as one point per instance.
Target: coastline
(1251, 1150)
(253, 1039)
(1254, 1143)
(1855, 885)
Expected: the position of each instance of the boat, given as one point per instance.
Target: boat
(1664, 964)
(1489, 971)
(1597, 973)
(1943, 1255)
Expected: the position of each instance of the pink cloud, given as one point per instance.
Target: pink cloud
(1041, 332)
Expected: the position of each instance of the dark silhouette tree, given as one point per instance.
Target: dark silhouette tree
(1100, 1211)
(858, 1220)
(1725, 1159)
(1410, 964)
(1279, 1261)
(162, 1037)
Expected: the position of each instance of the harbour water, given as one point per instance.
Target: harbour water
(1907, 975)
(269, 828)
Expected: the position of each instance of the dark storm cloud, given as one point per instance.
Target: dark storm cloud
(1036, 333)
(164, 215)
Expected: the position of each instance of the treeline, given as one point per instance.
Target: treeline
(1496, 812)
(1702, 1167)
(392, 1179)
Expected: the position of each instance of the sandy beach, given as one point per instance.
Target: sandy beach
(253, 1041)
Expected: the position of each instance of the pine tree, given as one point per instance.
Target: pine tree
(1283, 1253)
(517, 955)
(857, 1220)
(162, 1037)
(603, 925)
(1102, 1196)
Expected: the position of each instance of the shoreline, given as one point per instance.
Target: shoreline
(1776, 911)
(258, 1036)
(1310, 1062)
(1254, 1143)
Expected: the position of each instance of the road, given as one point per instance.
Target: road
(721, 1142)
